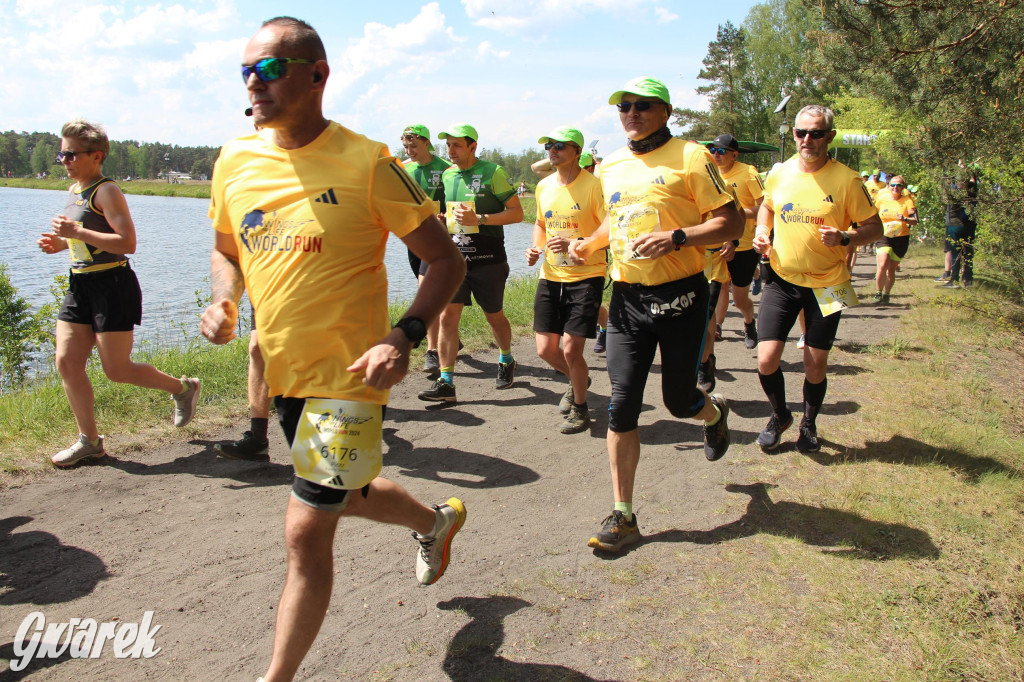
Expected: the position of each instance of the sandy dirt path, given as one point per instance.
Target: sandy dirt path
(198, 540)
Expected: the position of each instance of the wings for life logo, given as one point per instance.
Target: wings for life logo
(264, 232)
(790, 214)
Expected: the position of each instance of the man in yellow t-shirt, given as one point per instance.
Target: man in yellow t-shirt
(666, 203)
(809, 204)
(570, 207)
(302, 211)
(897, 212)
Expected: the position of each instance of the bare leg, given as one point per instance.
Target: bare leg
(549, 351)
(432, 328)
(73, 346)
(115, 350)
(624, 457)
(448, 338)
(500, 328)
(259, 392)
(741, 297)
(579, 372)
(722, 305)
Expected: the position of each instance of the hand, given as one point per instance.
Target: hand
(578, 251)
(51, 243)
(762, 244)
(386, 363)
(830, 236)
(653, 244)
(464, 216)
(558, 244)
(533, 254)
(62, 227)
(219, 321)
(728, 251)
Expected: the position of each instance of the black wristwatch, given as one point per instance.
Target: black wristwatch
(844, 239)
(413, 328)
(678, 238)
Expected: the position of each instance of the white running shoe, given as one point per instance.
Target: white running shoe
(82, 449)
(186, 401)
(432, 557)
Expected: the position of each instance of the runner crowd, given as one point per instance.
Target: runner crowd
(676, 229)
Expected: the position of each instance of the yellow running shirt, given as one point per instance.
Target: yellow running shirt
(676, 185)
(311, 225)
(743, 178)
(890, 210)
(574, 211)
(803, 203)
(873, 187)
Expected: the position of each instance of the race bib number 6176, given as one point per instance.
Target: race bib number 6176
(338, 443)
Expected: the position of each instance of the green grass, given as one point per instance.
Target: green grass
(195, 189)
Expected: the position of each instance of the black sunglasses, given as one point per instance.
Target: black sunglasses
(642, 105)
(70, 156)
(815, 134)
(556, 145)
(271, 68)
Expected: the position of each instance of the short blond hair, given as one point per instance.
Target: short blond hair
(92, 134)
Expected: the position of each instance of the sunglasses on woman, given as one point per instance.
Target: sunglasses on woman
(271, 68)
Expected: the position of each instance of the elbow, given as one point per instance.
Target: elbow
(735, 226)
(517, 216)
(129, 248)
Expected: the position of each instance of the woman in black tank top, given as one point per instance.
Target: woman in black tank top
(103, 303)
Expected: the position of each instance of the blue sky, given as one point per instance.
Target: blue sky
(514, 69)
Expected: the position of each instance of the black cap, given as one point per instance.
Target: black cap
(726, 141)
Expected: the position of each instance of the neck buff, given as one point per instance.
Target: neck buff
(651, 142)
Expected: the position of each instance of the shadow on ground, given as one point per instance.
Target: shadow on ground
(454, 466)
(472, 655)
(845, 534)
(37, 568)
(206, 464)
(903, 450)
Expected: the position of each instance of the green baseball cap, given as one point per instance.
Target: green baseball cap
(645, 87)
(420, 130)
(459, 130)
(876, 172)
(563, 134)
(586, 159)
(864, 174)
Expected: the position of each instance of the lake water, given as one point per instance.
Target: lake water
(172, 259)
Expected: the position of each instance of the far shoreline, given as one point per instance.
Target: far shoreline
(191, 189)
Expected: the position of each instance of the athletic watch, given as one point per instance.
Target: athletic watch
(678, 237)
(482, 218)
(413, 328)
(844, 239)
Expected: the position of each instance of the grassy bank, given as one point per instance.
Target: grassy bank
(37, 419)
(195, 189)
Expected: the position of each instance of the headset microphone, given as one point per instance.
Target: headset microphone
(248, 111)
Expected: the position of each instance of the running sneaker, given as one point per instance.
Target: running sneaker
(431, 362)
(82, 449)
(248, 448)
(951, 284)
(802, 341)
(506, 374)
(750, 335)
(616, 532)
(435, 550)
(439, 392)
(602, 335)
(568, 398)
(877, 298)
(808, 439)
(706, 374)
(771, 436)
(944, 277)
(885, 299)
(578, 419)
(186, 401)
(756, 288)
(716, 437)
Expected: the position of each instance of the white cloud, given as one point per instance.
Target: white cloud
(535, 16)
(485, 50)
(664, 16)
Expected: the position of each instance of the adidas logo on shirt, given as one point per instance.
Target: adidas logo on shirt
(327, 198)
(829, 199)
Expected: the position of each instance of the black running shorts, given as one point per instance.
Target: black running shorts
(107, 301)
(742, 266)
(487, 285)
(781, 303)
(568, 307)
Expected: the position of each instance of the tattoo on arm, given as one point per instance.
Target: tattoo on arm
(225, 278)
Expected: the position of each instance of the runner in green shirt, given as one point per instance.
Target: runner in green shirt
(479, 201)
(426, 170)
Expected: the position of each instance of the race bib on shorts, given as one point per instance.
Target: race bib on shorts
(628, 223)
(560, 259)
(892, 228)
(453, 225)
(835, 298)
(338, 443)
